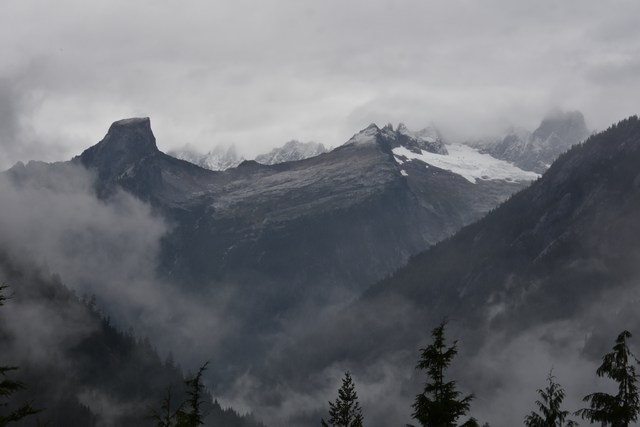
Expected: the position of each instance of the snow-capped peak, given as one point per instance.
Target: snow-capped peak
(292, 151)
(218, 159)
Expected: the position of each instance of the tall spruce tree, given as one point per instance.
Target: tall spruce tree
(549, 407)
(345, 411)
(440, 404)
(194, 416)
(8, 387)
(188, 413)
(623, 408)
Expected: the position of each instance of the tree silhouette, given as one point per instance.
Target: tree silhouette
(194, 416)
(166, 417)
(345, 411)
(440, 405)
(623, 408)
(550, 412)
(8, 387)
(189, 413)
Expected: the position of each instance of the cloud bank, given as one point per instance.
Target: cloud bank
(259, 74)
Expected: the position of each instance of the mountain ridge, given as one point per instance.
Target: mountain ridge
(544, 258)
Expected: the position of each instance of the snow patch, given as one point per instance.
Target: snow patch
(403, 172)
(469, 163)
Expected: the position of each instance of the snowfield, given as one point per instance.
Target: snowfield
(468, 163)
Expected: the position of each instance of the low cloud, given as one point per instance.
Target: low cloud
(52, 221)
(310, 71)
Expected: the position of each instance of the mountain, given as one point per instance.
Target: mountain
(378, 189)
(77, 368)
(218, 159)
(535, 151)
(290, 152)
(221, 159)
(544, 281)
(428, 139)
(269, 245)
(227, 265)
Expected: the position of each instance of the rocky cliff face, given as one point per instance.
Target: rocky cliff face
(536, 151)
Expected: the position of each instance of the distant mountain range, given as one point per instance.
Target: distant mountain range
(218, 159)
(221, 159)
(262, 219)
(291, 152)
(529, 150)
(277, 246)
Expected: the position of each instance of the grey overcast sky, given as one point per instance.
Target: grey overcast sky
(258, 73)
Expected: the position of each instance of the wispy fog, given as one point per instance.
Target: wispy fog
(107, 248)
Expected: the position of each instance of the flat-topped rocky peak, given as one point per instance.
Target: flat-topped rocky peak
(126, 142)
(132, 135)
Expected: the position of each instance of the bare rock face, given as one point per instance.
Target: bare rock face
(536, 151)
(126, 143)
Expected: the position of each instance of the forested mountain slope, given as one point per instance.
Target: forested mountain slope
(557, 267)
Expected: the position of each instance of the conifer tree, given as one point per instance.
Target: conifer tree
(550, 412)
(623, 408)
(440, 404)
(9, 387)
(166, 417)
(345, 411)
(189, 413)
(194, 416)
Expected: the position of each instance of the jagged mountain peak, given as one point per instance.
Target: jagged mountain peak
(365, 136)
(402, 128)
(567, 126)
(535, 151)
(427, 139)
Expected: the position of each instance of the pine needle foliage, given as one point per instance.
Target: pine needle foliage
(623, 408)
(440, 404)
(550, 413)
(345, 411)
